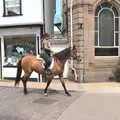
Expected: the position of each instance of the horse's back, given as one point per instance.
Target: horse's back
(29, 58)
(30, 63)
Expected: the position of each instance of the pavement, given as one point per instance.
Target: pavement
(100, 101)
(89, 101)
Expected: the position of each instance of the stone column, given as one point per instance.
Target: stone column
(88, 39)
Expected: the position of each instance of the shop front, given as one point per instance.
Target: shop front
(15, 43)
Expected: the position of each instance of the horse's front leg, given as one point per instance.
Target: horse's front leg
(49, 80)
(63, 84)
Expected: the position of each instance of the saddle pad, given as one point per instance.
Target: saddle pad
(41, 59)
(52, 64)
(38, 57)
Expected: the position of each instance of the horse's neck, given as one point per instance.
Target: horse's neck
(68, 53)
(60, 63)
(63, 55)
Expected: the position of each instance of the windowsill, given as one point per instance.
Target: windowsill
(12, 15)
(54, 42)
(106, 57)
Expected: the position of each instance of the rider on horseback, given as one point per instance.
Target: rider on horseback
(46, 50)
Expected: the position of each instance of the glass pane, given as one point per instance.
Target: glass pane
(116, 39)
(96, 38)
(106, 51)
(14, 11)
(116, 24)
(12, 3)
(96, 23)
(12, 7)
(106, 28)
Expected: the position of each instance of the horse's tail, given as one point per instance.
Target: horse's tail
(19, 71)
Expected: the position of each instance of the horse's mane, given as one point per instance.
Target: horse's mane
(62, 55)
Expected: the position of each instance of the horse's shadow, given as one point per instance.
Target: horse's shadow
(41, 91)
(51, 92)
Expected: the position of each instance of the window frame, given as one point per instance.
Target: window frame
(4, 8)
(114, 11)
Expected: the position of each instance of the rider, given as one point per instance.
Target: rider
(46, 50)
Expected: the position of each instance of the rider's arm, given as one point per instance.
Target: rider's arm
(47, 45)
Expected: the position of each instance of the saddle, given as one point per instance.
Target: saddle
(41, 60)
(38, 57)
(45, 63)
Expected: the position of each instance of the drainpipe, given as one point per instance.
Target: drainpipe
(40, 77)
(43, 16)
(71, 17)
(71, 41)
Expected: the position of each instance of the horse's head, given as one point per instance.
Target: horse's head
(74, 53)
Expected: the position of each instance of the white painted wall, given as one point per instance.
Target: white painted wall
(57, 48)
(32, 11)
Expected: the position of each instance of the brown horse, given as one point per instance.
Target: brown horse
(30, 64)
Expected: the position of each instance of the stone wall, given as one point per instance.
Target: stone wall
(78, 34)
(91, 68)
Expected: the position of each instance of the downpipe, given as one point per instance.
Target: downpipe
(71, 42)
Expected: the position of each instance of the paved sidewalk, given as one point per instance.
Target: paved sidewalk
(100, 102)
(69, 84)
(55, 84)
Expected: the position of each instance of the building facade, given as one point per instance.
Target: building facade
(96, 33)
(20, 28)
(21, 24)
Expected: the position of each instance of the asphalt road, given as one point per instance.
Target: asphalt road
(34, 106)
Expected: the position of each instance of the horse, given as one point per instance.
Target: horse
(29, 64)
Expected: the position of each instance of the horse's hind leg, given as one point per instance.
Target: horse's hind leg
(25, 88)
(24, 80)
(48, 83)
(63, 84)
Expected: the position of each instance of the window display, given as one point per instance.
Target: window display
(16, 48)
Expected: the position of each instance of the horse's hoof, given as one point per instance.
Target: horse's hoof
(68, 94)
(16, 85)
(45, 94)
(25, 93)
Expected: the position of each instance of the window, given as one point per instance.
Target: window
(106, 30)
(12, 7)
(18, 46)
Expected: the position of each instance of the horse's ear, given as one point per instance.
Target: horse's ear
(74, 47)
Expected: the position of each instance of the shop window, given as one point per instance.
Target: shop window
(16, 47)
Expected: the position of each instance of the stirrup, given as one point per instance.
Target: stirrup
(48, 72)
(38, 57)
